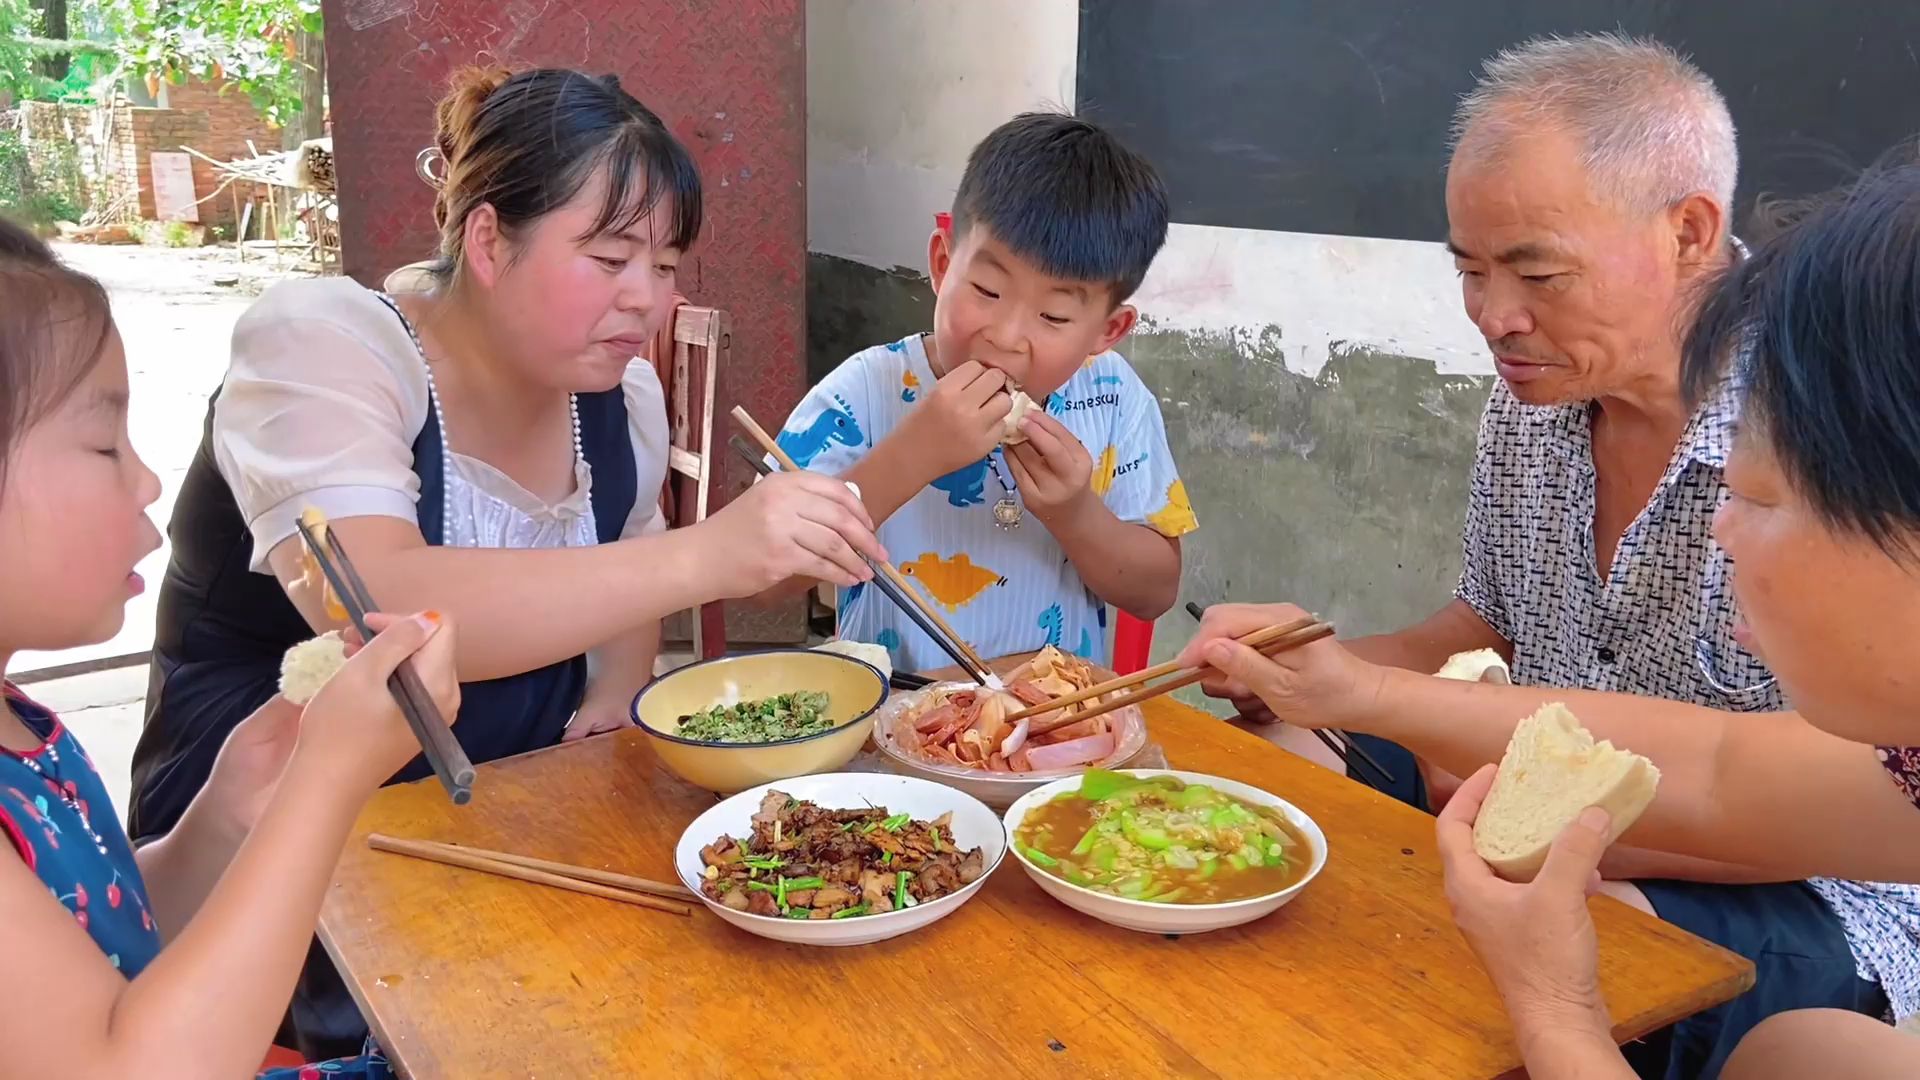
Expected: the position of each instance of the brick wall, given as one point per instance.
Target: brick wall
(115, 143)
(213, 119)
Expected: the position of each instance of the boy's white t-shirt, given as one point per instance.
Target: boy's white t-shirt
(1006, 591)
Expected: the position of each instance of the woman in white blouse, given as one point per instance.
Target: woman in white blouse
(490, 447)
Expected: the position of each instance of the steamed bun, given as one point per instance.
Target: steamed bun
(874, 655)
(308, 665)
(1022, 405)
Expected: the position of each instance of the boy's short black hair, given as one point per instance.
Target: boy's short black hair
(1065, 195)
(1821, 328)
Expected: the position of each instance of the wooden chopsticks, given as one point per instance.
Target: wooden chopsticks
(442, 750)
(1268, 641)
(1144, 675)
(949, 641)
(900, 680)
(625, 888)
(1341, 743)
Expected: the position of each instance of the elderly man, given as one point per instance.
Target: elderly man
(1586, 200)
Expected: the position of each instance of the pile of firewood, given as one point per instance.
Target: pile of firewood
(315, 169)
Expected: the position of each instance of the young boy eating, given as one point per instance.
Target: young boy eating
(1022, 526)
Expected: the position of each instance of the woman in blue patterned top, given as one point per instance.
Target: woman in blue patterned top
(1823, 525)
(180, 958)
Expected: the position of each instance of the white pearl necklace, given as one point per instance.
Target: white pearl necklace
(446, 437)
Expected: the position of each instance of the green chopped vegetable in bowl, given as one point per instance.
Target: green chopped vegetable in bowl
(784, 716)
(1162, 840)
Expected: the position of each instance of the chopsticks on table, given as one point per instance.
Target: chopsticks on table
(1268, 640)
(442, 750)
(606, 884)
(889, 580)
(1334, 739)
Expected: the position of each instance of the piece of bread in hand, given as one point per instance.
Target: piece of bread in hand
(1553, 769)
(1010, 433)
(308, 665)
(1480, 665)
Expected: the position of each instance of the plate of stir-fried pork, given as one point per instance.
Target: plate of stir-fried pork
(840, 859)
(959, 734)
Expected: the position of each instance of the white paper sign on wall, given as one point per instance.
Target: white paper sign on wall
(173, 194)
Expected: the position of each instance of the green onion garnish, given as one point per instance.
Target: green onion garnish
(848, 913)
(900, 888)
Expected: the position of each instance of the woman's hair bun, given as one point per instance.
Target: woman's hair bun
(455, 116)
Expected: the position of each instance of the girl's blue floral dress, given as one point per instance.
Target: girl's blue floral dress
(56, 814)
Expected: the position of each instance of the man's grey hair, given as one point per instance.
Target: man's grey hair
(1653, 127)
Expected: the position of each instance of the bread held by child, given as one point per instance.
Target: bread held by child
(307, 666)
(1010, 433)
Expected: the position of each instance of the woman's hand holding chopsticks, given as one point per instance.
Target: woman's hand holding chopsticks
(798, 525)
(353, 732)
(1316, 685)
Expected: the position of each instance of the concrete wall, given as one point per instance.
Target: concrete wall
(1321, 392)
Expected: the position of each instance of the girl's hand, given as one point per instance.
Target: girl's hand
(789, 525)
(1536, 940)
(250, 763)
(1314, 686)
(1053, 469)
(960, 422)
(353, 733)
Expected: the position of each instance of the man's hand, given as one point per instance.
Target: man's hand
(1317, 685)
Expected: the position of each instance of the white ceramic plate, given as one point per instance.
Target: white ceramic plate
(973, 826)
(996, 789)
(1154, 918)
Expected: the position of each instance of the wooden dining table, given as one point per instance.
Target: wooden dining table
(469, 976)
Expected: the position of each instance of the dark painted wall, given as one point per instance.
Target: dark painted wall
(1311, 116)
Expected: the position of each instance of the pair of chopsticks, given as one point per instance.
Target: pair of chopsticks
(883, 583)
(442, 750)
(1269, 640)
(887, 579)
(1341, 743)
(606, 884)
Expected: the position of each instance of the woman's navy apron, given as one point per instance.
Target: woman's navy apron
(222, 630)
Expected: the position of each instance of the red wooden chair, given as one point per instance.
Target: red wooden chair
(1132, 638)
(702, 340)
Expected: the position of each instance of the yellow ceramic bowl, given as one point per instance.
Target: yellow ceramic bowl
(854, 690)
